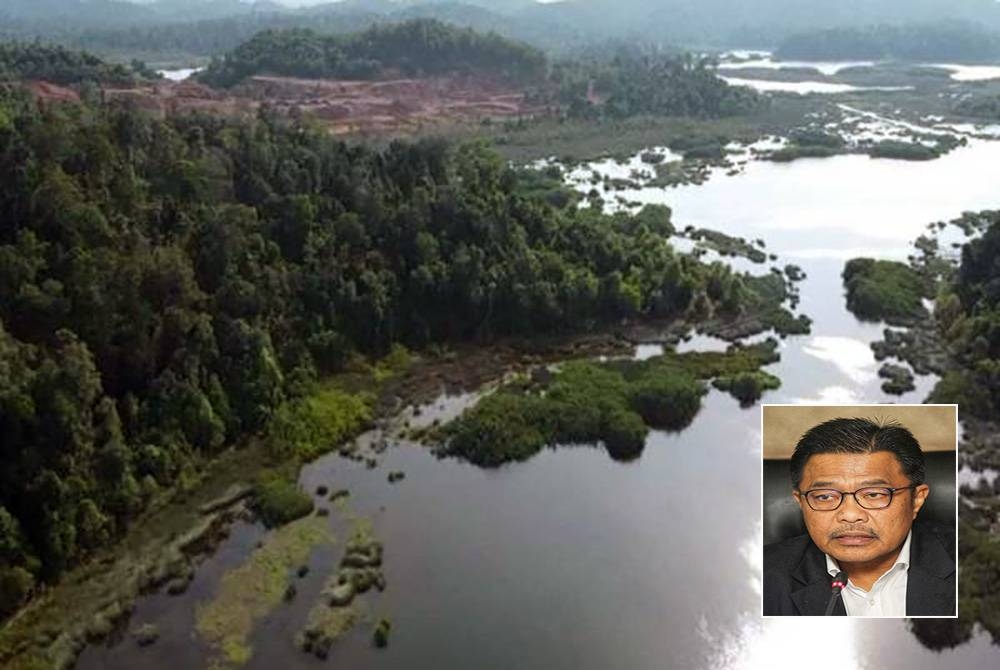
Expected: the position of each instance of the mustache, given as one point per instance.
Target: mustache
(853, 530)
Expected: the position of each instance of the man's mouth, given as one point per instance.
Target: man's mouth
(854, 539)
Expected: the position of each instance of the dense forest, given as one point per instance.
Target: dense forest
(941, 42)
(59, 65)
(417, 47)
(167, 287)
(629, 84)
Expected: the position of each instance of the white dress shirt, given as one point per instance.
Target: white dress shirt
(887, 596)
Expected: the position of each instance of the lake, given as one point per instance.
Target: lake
(573, 560)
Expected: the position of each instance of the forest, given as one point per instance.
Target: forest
(418, 47)
(60, 65)
(170, 287)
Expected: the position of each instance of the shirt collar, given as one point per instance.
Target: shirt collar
(902, 560)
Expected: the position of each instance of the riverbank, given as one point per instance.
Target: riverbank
(167, 544)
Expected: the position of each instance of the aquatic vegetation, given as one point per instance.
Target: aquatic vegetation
(380, 637)
(909, 151)
(727, 245)
(898, 379)
(615, 403)
(335, 613)
(747, 387)
(796, 151)
(278, 500)
(884, 290)
(248, 593)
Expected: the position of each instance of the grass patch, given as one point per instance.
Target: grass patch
(248, 593)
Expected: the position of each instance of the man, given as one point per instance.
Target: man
(860, 485)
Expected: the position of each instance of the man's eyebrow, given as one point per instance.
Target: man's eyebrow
(868, 482)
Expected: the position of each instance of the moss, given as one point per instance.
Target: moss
(884, 290)
(248, 593)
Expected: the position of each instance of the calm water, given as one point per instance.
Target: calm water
(574, 560)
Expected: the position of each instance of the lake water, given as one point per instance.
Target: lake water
(828, 68)
(572, 560)
(181, 74)
(804, 87)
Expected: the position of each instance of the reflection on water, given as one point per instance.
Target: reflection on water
(851, 357)
(791, 643)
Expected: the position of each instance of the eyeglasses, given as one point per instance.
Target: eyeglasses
(827, 500)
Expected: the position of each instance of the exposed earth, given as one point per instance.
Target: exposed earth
(349, 107)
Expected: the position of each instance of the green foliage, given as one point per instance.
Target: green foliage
(629, 84)
(623, 434)
(613, 403)
(908, 151)
(278, 501)
(664, 400)
(60, 65)
(307, 427)
(796, 151)
(884, 290)
(415, 47)
(503, 427)
(15, 585)
(747, 387)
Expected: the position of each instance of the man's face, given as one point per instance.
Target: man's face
(851, 533)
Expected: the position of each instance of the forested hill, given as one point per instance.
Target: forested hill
(167, 287)
(946, 42)
(59, 65)
(416, 47)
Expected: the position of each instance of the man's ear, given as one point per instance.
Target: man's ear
(920, 494)
(798, 497)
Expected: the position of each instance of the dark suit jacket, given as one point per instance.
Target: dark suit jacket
(796, 582)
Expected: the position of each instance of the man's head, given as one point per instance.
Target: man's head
(840, 456)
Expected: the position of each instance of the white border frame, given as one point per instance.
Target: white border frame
(887, 405)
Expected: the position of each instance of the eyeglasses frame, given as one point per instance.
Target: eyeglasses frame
(844, 494)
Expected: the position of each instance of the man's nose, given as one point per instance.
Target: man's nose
(850, 511)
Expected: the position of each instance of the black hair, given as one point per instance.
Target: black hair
(859, 436)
